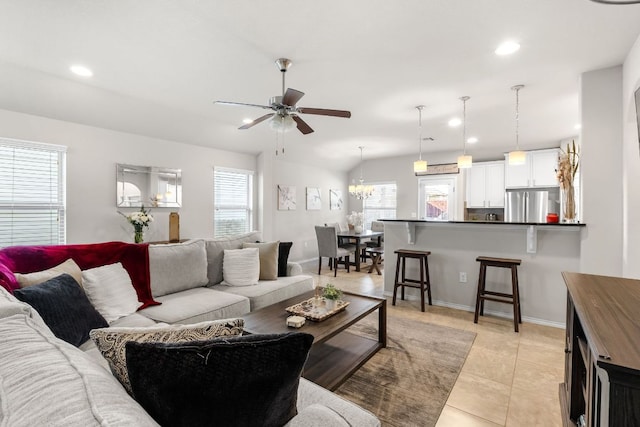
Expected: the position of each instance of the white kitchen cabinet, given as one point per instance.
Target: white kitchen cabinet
(539, 170)
(485, 185)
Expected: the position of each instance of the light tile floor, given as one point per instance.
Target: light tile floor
(509, 379)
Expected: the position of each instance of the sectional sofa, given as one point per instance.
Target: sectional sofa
(47, 381)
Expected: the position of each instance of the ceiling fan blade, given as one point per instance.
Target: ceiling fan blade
(291, 97)
(256, 121)
(241, 104)
(302, 125)
(325, 112)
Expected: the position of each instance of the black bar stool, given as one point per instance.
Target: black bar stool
(424, 284)
(512, 298)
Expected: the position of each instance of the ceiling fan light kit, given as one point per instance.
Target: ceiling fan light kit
(286, 112)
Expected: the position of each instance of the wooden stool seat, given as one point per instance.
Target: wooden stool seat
(423, 283)
(376, 259)
(503, 297)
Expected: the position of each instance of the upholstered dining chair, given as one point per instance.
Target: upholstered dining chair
(328, 247)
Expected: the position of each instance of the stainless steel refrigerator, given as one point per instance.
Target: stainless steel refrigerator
(531, 204)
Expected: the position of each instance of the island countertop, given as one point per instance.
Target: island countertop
(552, 224)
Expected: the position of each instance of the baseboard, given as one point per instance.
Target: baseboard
(470, 309)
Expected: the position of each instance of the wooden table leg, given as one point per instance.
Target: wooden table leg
(357, 253)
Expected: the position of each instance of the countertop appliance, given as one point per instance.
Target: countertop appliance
(531, 204)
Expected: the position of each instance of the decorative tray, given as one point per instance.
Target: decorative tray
(315, 308)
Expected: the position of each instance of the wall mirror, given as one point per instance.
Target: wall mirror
(148, 185)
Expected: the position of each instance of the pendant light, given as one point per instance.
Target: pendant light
(420, 166)
(361, 191)
(517, 157)
(464, 161)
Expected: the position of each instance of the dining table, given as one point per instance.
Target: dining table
(357, 238)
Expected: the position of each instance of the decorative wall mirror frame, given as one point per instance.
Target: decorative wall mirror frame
(148, 185)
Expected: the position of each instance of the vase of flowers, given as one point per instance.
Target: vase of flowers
(357, 220)
(331, 295)
(140, 220)
(568, 163)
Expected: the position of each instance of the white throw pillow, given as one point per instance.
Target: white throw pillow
(241, 267)
(110, 291)
(69, 266)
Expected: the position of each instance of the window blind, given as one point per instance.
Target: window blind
(233, 201)
(32, 193)
(381, 204)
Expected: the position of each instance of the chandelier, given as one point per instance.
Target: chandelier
(361, 191)
(517, 157)
(465, 161)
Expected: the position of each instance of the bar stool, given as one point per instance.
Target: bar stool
(512, 298)
(424, 284)
(376, 259)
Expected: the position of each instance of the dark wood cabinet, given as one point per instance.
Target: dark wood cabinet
(602, 352)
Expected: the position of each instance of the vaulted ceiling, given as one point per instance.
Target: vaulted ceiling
(159, 65)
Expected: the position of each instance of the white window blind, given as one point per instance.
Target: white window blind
(32, 193)
(381, 204)
(233, 201)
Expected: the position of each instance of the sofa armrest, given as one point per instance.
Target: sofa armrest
(293, 269)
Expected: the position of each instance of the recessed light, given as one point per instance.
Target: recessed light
(472, 140)
(578, 126)
(507, 48)
(81, 70)
(247, 121)
(455, 122)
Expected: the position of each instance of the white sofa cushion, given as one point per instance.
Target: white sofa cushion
(317, 415)
(215, 252)
(177, 267)
(110, 291)
(268, 292)
(111, 341)
(197, 305)
(45, 381)
(241, 267)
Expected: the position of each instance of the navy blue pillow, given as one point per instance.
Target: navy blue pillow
(64, 307)
(283, 257)
(249, 380)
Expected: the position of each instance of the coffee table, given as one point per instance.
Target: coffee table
(335, 354)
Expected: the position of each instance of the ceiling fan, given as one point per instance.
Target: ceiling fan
(286, 112)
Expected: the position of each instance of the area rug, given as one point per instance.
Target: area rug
(408, 383)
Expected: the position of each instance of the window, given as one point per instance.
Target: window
(437, 199)
(232, 201)
(381, 204)
(32, 193)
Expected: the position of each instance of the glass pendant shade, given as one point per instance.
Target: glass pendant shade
(282, 123)
(420, 166)
(465, 162)
(517, 158)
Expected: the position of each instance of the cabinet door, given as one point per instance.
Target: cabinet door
(543, 168)
(517, 176)
(476, 186)
(494, 185)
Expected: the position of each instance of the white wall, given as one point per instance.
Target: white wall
(631, 165)
(92, 155)
(601, 171)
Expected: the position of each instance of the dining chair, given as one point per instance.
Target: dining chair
(374, 242)
(328, 247)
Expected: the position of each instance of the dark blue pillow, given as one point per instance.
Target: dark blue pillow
(64, 307)
(250, 380)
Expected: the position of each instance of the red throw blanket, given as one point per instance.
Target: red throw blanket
(28, 259)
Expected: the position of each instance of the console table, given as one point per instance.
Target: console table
(602, 361)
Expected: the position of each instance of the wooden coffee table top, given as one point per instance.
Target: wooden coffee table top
(336, 353)
(272, 319)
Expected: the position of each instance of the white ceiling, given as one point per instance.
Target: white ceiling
(159, 64)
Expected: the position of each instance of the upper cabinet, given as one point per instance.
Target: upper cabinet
(539, 170)
(485, 185)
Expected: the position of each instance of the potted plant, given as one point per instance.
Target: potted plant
(331, 295)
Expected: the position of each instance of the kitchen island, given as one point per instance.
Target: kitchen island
(546, 250)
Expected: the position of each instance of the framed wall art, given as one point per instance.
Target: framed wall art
(314, 199)
(286, 198)
(335, 199)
